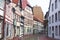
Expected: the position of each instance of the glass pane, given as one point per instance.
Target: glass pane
(1, 4)
(1, 13)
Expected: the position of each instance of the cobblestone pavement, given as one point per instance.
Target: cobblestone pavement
(35, 37)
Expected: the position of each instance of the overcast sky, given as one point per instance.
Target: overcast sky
(43, 3)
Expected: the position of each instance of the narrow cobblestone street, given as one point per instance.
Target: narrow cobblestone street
(37, 37)
(29, 19)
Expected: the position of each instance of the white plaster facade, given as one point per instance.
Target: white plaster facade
(1, 17)
(38, 27)
(28, 21)
(54, 31)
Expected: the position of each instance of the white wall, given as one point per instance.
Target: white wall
(53, 13)
(38, 26)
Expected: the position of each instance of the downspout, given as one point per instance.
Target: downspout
(4, 19)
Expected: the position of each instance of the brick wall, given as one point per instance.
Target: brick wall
(38, 13)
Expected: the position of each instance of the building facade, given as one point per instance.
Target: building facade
(54, 19)
(21, 26)
(1, 18)
(38, 27)
(37, 11)
(8, 21)
(46, 22)
(38, 19)
(28, 20)
(16, 17)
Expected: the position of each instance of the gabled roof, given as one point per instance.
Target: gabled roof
(15, 1)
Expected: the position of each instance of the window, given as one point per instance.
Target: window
(59, 15)
(22, 20)
(18, 30)
(14, 16)
(59, 0)
(52, 18)
(28, 8)
(55, 4)
(52, 7)
(1, 4)
(22, 29)
(18, 18)
(59, 30)
(28, 30)
(56, 30)
(52, 28)
(49, 30)
(7, 29)
(55, 17)
(19, 2)
(49, 20)
(13, 9)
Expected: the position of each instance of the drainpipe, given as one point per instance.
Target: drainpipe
(4, 19)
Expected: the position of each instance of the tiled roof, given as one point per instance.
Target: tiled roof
(37, 19)
(15, 1)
